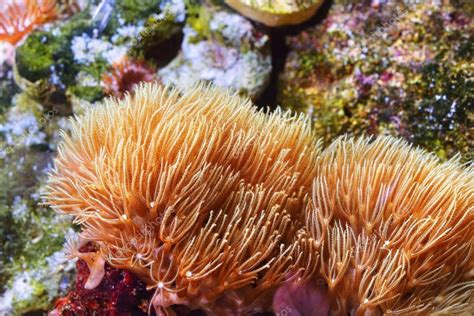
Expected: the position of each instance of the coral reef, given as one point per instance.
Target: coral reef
(7, 85)
(33, 271)
(32, 290)
(191, 201)
(277, 12)
(145, 192)
(222, 48)
(398, 68)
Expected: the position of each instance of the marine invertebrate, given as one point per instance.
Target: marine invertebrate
(276, 12)
(195, 191)
(20, 18)
(394, 229)
(125, 74)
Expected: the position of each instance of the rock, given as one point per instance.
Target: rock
(7, 85)
(276, 13)
(119, 293)
(32, 270)
(33, 290)
(66, 60)
(386, 68)
(223, 48)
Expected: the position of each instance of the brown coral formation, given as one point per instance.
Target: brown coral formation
(209, 202)
(196, 192)
(22, 17)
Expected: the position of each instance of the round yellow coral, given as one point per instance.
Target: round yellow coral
(276, 12)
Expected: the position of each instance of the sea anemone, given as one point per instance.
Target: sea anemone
(394, 229)
(276, 12)
(196, 192)
(20, 18)
(125, 75)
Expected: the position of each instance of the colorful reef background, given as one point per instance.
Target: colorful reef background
(383, 67)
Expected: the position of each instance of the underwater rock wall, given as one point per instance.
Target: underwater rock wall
(386, 67)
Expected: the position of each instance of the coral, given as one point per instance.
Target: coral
(125, 75)
(20, 18)
(222, 48)
(391, 67)
(195, 192)
(277, 12)
(394, 229)
(388, 228)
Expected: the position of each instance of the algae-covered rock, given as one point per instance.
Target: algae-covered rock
(32, 271)
(399, 68)
(34, 290)
(223, 48)
(67, 60)
(31, 235)
(7, 85)
(45, 65)
(277, 12)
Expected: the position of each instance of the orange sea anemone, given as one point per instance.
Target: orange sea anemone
(125, 75)
(21, 17)
(394, 229)
(196, 192)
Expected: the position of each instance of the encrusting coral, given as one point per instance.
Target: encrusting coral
(394, 229)
(196, 192)
(216, 205)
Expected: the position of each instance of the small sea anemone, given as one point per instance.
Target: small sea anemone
(394, 229)
(276, 12)
(125, 75)
(196, 192)
(21, 17)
